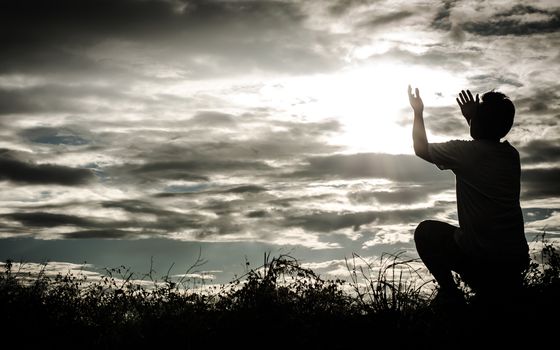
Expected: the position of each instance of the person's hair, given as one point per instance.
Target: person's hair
(494, 116)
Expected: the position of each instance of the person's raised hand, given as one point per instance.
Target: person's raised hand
(415, 101)
(468, 104)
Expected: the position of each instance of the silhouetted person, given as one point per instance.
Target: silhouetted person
(488, 249)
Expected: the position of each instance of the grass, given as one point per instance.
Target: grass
(278, 305)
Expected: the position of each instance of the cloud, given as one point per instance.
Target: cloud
(371, 165)
(44, 219)
(540, 151)
(436, 56)
(15, 170)
(196, 38)
(137, 219)
(201, 153)
(385, 19)
(397, 194)
(391, 235)
(541, 101)
(442, 17)
(101, 233)
(341, 7)
(247, 189)
(520, 20)
(213, 119)
(496, 79)
(136, 206)
(489, 20)
(536, 214)
(445, 120)
(332, 221)
(257, 214)
(155, 219)
(53, 98)
(54, 136)
(202, 166)
(196, 170)
(540, 183)
(549, 224)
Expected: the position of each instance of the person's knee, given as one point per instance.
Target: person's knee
(422, 231)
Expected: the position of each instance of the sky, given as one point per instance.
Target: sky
(143, 133)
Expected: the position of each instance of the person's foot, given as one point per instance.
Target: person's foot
(449, 299)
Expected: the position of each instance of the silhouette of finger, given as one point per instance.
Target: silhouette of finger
(477, 98)
(462, 97)
(459, 102)
(470, 95)
(417, 93)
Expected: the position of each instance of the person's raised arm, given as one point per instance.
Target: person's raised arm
(419, 137)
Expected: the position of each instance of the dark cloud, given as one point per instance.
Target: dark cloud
(50, 98)
(247, 189)
(268, 139)
(257, 214)
(44, 59)
(201, 190)
(331, 221)
(213, 119)
(15, 170)
(397, 195)
(446, 121)
(537, 214)
(165, 220)
(511, 22)
(508, 22)
(287, 202)
(540, 151)
(224, 207)
(341, 7)
(225, 224)
(442, 121)
(137, 207)
(385, 19)
(200, 158)
(44, 219)
(540, 183)
(494, 79)
(540, 101)
(438, 56)
(197, 169)
(54, 136)
(234, 34)
(442, 17)
(202, 166)
(102, 233)
(372, 165)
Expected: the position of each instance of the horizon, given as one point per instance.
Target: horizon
(135, 130)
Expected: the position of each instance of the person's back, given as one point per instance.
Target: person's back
(488, 186)
(490, 236)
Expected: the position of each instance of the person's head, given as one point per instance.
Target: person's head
(494, 117)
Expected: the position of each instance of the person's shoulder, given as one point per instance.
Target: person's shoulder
(510, 148)
(456, 142)
(508, 145)
(461, 143)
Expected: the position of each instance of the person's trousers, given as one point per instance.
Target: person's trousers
(440, 253)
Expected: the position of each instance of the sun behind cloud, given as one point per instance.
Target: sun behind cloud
(368, 99)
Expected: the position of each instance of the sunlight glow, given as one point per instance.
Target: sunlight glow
(369, 101)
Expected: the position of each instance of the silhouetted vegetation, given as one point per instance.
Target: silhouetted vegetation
(278, 305)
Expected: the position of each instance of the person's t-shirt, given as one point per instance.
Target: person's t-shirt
(488, 185)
